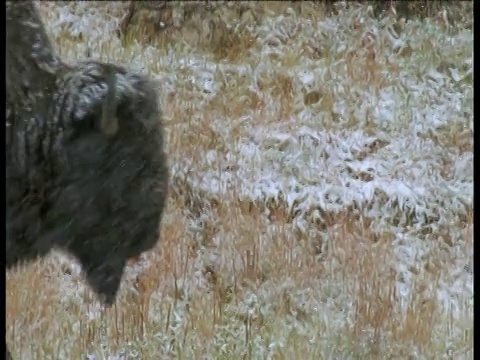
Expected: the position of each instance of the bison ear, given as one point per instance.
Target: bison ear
(96, 109)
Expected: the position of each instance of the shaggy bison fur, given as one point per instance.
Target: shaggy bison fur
(86, 171)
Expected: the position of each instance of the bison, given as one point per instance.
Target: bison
(86, 169)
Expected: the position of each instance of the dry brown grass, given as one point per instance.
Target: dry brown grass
(358, 267)
(235, 277)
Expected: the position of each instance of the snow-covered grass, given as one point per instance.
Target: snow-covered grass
(321, 200)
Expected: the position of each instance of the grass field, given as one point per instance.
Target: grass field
(321, 204)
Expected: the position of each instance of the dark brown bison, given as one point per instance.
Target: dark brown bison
(86, 171)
